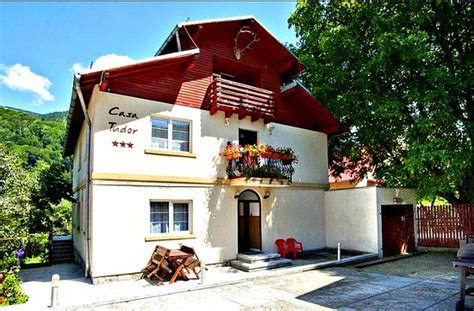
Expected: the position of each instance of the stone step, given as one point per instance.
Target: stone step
(70, 255)
(260, 265)
(55, 245)
(62, 260)
(251, 258)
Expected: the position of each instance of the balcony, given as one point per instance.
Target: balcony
(245, 100)
(259, 165)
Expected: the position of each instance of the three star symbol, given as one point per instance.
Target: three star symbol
(122, 144)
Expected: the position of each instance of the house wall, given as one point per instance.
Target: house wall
(293, 213)
(353, 216)
(120, 208)
(209, 137)
(121, 222)
(78, 185)
(352, 219)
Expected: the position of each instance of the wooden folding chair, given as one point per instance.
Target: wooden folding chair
(157, 266)
(191, 263)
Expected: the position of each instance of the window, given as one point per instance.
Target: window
(170, 134)
(169, 217)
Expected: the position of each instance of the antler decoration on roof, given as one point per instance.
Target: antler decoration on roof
(239, 52)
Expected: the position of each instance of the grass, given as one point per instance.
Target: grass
(33, 260)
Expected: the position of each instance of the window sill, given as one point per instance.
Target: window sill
(169, 237)
(171, 153)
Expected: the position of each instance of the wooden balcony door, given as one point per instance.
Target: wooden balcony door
(249, 222)
(247, 137)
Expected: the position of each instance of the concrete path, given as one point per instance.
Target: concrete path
(337, 288)
(409, 284)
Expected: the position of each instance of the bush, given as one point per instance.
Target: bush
(8, 264)
(37, 246)
(11, 292)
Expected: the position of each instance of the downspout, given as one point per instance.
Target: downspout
(77, 86)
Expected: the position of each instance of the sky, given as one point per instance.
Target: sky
(43, 44)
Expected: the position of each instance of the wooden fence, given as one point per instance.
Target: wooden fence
(444, 225)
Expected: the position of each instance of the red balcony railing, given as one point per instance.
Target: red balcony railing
(245, 100)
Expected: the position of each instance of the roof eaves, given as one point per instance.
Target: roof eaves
(69, 116)
(148, 59)
(287, 87)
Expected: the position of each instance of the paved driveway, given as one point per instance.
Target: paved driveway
(416, 283)
(336, 288)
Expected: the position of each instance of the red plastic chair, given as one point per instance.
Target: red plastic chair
(294, 246)
(282, 247)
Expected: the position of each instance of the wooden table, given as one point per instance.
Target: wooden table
(178, 257)
(466, 267)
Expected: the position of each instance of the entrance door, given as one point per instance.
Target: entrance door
(397, 229)
(249, 229)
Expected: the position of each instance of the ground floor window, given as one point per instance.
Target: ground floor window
(169, 217)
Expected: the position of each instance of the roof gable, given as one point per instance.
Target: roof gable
(190, 35)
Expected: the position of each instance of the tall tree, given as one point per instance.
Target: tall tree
(400, 75)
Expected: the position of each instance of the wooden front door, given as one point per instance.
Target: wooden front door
(249, 226)
(397, 230)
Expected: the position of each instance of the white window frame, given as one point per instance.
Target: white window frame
(170, 133)
(171, 218)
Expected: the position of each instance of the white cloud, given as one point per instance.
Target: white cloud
(20, 78)
(103, 62)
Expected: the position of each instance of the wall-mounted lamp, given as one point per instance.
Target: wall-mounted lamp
(266, 195)
(236, 195)
(270, 129)
(226, 122)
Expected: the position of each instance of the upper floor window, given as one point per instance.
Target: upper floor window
(170, 134)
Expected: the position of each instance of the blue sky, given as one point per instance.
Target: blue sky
(41, 42)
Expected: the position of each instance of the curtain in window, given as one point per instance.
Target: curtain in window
(159, 217)
(180, 217)
(159, 133)
(180, 136)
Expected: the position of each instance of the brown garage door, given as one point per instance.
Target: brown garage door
(397, 229)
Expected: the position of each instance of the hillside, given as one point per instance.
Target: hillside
(34, 136)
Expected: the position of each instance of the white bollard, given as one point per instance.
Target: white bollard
(54, 290)
(338, 251)
(203, 271)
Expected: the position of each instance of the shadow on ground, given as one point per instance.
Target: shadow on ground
(427, 281)
(67, 271)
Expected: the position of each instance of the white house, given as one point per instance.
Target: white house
(146, 139)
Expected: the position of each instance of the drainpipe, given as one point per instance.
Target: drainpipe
(77, 87)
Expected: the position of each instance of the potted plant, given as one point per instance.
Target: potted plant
(269, 150)
(287, 155)
(232, 152)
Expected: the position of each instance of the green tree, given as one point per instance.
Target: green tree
(16, 185)
(400, 75)
(33, 151)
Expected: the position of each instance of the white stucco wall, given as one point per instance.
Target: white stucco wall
(293, 213)
(120, 210)
(208, 137)
(121, 222)
(352, 219)
(353, 216)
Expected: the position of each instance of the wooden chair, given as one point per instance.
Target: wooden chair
(191, 263)
(294, 246)
(282, 247)
(157, 266)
